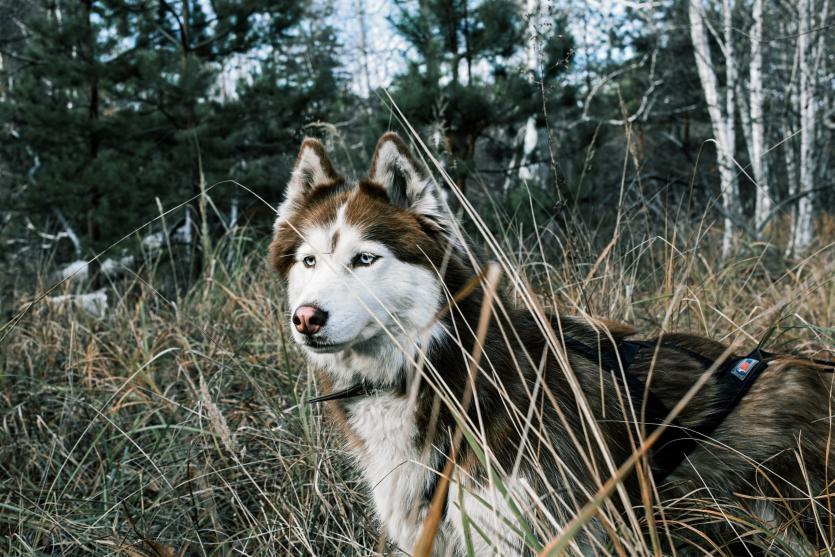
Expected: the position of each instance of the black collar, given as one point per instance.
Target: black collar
(359, 389)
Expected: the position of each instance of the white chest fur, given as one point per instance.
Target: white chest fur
(391, 463)
(398, 471)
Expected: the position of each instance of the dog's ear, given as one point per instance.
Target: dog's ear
(404, 179)
(313, 168)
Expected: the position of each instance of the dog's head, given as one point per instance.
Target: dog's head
(361, 259)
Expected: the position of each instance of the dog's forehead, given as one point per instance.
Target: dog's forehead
(335, 234)
(358, 206)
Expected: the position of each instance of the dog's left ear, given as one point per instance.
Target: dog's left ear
(404, 179)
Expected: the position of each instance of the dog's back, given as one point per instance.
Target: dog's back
(770, 455)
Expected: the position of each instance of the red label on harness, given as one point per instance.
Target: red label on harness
(742, 367)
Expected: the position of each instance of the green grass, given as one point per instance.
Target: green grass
(173, 425)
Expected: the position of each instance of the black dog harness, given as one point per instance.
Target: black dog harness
(733, 377)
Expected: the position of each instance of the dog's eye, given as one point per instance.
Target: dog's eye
(364, 259)
(309, 261)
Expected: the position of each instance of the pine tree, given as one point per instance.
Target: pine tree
(447, 84)
(298, 82)
(120, 102)
(53, 113)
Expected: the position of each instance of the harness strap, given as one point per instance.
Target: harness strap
(665, 454)
(655, 410)
(734, 379)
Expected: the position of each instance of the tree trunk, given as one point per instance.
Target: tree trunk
(452, 40)
(730, 91)
(791, 178)
(468, 54)
(723, 124)
(530, 139)
(762, 205)
(366, 69)
(93, 141)
(825, 101)
(802, 236)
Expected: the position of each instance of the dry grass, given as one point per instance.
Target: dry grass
(170, 427)
(173, 425)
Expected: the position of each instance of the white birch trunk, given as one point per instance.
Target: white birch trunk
(788, 125)
(730, 101)
(366, 69)
(723, 123)
(791, 177)
(762, 204)
(233, 211)
(802, 234)
(530, 139)
(508, 177)
(745, 120)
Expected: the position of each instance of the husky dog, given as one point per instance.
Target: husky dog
(387, 308)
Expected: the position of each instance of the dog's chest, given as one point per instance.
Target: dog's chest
(392, 463)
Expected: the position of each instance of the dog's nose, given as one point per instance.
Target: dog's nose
(309, 319)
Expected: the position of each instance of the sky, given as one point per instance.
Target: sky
(386, 51)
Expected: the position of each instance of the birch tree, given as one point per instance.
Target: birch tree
(722, 120)
(802, 225)
(527, 170)
(365, 62)
(762, 203)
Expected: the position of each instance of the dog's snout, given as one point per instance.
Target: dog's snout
(309, 319)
